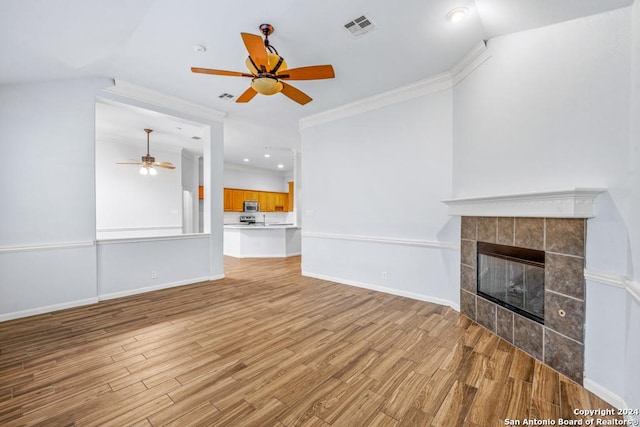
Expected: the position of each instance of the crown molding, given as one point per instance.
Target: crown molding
(139, 93)
(472, 60)
(571, 203)
(423, 87)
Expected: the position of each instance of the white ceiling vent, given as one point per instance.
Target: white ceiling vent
(360, 26)
(226, 96)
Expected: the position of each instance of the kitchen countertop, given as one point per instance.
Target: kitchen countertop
(269, 226)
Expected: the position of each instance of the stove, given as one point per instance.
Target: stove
(247, 219)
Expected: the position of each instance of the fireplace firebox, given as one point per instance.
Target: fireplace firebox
(513, 278)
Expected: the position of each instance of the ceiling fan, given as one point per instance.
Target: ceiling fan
(268, 70)
(148, 162)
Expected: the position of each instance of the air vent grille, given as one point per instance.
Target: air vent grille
(360, 26)
(226, 96)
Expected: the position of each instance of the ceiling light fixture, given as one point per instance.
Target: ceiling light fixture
(280, 166)
(267, 155)
(245, 160)
(148, 162)
(199, 48)
(457, 14)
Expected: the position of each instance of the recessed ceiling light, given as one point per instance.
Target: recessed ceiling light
(457, 14)
(199, 48)
(245, 160)
(280, 166)
(267, 155)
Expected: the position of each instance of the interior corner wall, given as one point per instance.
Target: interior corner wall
(550, 110)
(47, 188)
(373, 184)
(632, 355)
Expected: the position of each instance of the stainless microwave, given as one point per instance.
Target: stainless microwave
(251, 206)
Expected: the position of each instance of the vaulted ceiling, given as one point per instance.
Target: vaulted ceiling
(151, 43)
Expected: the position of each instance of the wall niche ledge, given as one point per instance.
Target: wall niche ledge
(566, 203)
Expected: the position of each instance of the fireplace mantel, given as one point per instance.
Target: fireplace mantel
(569, 203)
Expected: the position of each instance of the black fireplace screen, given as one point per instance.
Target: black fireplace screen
(512, 277)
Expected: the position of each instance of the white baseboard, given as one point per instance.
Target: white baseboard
(264, 255)
(386, 290)
(136, 291)
(610, 397)
(46, 309)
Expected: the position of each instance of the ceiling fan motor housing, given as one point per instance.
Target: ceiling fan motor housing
(148, 159)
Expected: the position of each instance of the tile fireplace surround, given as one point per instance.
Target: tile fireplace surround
(558, 343)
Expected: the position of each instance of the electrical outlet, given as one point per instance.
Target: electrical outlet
(154, 275)
(384, 275)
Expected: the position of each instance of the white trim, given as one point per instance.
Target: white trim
(139, 93)
(47, 309)
(268, 255)
(604, 393)
(615, 280)
(53, 246)
(146, 228)
(383, 289)
(611, 279)
(569, 203)
(472, 60)
(193, 281)
(375, 239)
(420, 88)
(122, 240)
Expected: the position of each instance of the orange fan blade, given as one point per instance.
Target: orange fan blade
(314, 72)
(247, 95)
(257, 51)
(220, 72)
(295, 94)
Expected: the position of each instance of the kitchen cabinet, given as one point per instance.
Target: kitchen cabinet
(270, 201)
(228, 203)
(251, 195)
(279, 201)
(237, 200)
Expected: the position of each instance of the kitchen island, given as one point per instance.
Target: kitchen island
(261, 241)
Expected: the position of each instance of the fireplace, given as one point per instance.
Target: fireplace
(539, 310)
(512, 277)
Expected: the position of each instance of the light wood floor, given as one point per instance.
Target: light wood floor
(268, 347)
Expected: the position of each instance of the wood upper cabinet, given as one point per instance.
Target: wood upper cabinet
(251, 195)
(269, 201)
(290, 197)
(237, 200)
(279, 201)
(228, 203)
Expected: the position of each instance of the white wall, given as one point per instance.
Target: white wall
(550, 109)
(254, 179)
(48, 255)
(131, 266)
(372, 189)
(47, 188)
(132, 205)
(632, 373)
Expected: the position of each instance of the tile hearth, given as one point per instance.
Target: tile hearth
(558, 343)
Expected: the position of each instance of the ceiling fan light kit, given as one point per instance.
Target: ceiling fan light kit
(148, 163)
(268, 70)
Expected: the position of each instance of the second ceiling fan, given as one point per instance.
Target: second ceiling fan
(268, 70)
